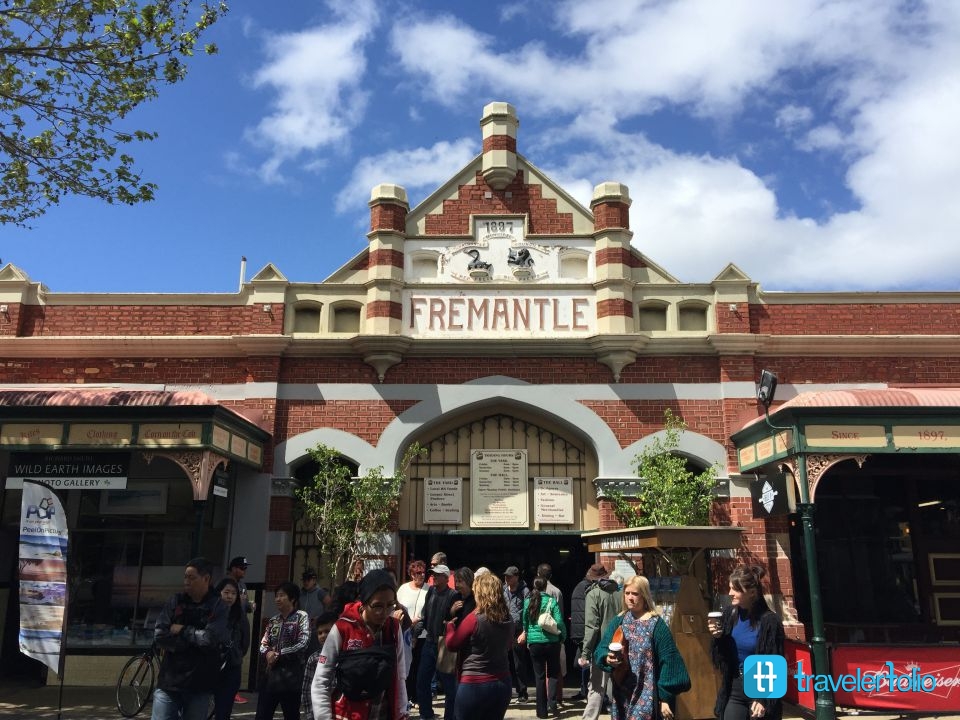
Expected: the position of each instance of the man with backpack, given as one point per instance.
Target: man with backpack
(192, 631)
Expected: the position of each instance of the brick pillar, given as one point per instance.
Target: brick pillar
(388, 230)
(611, 222)
(499, 125)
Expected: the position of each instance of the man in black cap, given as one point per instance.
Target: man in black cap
(237, 569)
(314, 600)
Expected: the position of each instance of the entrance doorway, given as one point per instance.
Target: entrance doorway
(565, 552)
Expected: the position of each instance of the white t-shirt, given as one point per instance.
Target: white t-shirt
(413, 598)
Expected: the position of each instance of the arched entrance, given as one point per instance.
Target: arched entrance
(551, 452)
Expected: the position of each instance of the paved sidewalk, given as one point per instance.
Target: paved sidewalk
(88, 703)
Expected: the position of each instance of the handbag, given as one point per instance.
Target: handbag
(546, 622)
(620, 672)
(446, 658)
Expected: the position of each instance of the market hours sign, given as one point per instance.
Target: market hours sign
(553, 500)
(498, 489)
(442, 501)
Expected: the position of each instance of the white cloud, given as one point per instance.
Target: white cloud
(416, 170)
(315, 76)
(790, 117)
(887, 94)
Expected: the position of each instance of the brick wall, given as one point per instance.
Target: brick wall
(140, 370)
(136, 320)
(856, 319)
(631, 420)
(624, 256)
(388, 216)
(471, 199)
(365, 419)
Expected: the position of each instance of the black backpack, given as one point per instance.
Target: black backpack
(366, 673)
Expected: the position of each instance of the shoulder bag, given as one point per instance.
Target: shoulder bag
(546, 621)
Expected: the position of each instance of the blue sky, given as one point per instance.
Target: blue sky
(811, 143)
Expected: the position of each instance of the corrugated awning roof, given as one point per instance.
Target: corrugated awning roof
(867, 399)
(875, 398)
(101, 397)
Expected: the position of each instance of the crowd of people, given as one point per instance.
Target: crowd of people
(378, 650)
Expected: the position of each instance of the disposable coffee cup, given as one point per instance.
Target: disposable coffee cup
(615, 648)
(715, 615)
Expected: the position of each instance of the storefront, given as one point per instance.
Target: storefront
(147, 481)
(498, 315)
(882, 470)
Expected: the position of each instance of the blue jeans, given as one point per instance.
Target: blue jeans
(168, 704)
(425, 673)
(482, 701)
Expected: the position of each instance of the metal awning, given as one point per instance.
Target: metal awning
(111, 419)
(850, 422)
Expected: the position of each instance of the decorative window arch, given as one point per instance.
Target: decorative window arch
(692, 316)
(345, 316)
(652, 315)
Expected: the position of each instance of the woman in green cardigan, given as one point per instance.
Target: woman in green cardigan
(648, 673)
(544, 647)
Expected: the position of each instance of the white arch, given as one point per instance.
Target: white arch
(579, 419)
(297, 447)
(692, 445)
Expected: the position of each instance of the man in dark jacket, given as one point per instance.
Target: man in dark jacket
(436, 614)
(603, 602)
(192, 630)
(577, 604)
(515, 591)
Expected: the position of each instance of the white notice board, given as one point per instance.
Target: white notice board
(442, 501)
(498, 489)
(553, 500)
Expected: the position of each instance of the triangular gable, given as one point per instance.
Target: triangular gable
(353, 270)
(550, 209)
(269, 273)
(731, 273)
(11, 273)
(651, 272)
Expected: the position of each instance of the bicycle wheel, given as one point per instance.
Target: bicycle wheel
(135, 684)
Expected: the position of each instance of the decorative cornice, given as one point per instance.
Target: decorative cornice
(628, 486)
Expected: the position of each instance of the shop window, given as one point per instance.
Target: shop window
(306, 319)
(692, 317)
(346, 319)
(652, 318)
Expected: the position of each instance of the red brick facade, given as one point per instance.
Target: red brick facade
(516, 198)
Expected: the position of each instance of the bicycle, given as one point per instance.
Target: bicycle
(137, 681)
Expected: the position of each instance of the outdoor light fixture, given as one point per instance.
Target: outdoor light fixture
(767, 389)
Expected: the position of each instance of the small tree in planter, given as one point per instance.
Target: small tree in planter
(669, 493)
(348, 513)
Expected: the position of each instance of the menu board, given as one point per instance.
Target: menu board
(498, 489)
(442, 501)
(553, 500)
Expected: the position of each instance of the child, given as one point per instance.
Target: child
(324, 622)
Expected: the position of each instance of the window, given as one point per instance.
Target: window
(692, 317)
(346, 319)
(652, 317)
(306, 319)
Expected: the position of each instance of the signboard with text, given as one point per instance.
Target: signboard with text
(553, 500)
(442, 501)
(498, 489)
(70, 470)
(941, 662)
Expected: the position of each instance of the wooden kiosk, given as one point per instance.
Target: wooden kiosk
(688, 621)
